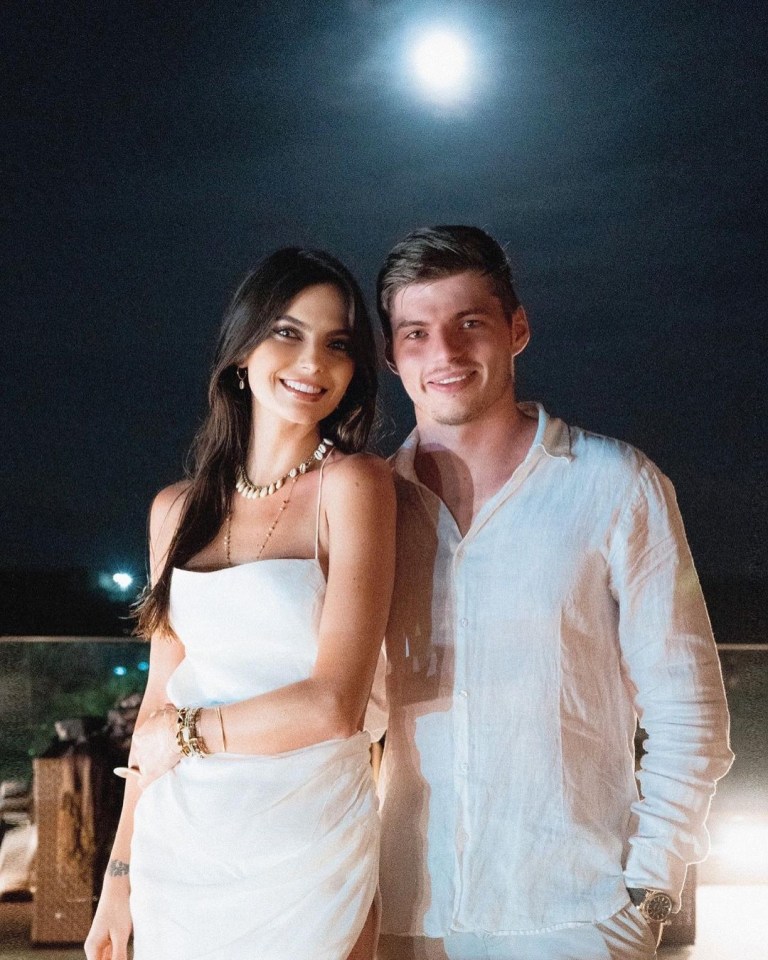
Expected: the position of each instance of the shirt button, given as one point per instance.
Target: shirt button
(464, 767)
(463, 693)
(464, 622)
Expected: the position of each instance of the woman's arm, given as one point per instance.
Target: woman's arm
(111, 928)
(359, 502)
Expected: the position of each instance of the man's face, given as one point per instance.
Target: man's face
(453, 345)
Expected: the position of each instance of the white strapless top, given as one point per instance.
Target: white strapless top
(246, 629)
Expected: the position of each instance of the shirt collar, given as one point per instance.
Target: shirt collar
(553, 437)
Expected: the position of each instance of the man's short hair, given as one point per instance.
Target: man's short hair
(431, 253)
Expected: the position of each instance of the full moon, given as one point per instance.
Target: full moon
(441, 62)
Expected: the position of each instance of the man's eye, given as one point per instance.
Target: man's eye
(415, 335)
(471, 323)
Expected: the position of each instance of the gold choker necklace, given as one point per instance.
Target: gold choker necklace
(246, 488)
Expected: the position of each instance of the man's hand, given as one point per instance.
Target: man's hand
(155, 750)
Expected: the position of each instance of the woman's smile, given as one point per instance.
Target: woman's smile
(305, 390)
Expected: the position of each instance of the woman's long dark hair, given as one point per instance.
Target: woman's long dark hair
(221, 444)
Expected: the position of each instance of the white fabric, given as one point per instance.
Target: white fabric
(624, 936)
(241, 857)
(17, 858)
(518, 659)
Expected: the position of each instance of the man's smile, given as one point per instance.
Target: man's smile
(451, 381)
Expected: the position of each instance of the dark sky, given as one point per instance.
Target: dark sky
(151, 152)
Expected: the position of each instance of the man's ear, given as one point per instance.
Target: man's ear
(389, 357)
(520, 331)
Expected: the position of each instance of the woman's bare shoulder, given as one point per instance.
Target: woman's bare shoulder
(171, 499)
(166, 511)
(364, 471)
(360, 491)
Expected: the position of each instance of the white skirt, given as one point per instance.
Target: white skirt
(256, 858)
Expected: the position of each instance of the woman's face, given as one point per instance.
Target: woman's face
(302, 370)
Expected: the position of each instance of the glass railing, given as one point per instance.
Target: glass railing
(45, 682)
(66, 709)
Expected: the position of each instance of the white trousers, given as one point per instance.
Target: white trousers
(624, 936)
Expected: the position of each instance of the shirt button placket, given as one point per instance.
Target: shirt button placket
(461, 741)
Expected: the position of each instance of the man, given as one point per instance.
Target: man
(545, 599)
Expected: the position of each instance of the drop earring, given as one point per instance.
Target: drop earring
(241, 375)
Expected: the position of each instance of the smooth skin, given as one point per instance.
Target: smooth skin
(296, 377)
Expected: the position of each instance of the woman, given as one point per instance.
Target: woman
(249, 830)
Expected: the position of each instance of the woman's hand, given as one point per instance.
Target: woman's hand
(155, 750)
(111, 927)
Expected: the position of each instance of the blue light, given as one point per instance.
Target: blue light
(142, 665)
(119, 671)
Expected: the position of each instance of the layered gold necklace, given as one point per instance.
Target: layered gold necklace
(250, 490)
(246, 488)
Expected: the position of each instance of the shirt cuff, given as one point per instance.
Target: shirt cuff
(654, 868)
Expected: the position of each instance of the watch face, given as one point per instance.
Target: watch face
(657, 907)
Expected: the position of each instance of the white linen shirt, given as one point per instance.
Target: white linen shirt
(519, 658)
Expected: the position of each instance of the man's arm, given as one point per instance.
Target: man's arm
(673, 672)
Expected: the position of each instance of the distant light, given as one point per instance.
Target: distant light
(123, 580)
(441, 61)
(142, 665)
(119, 671)
(743, 843)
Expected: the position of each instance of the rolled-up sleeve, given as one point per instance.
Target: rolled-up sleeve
(672, 669)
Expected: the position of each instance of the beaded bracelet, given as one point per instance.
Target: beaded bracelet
(190, 742)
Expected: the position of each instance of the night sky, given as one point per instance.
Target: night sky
(151, 152)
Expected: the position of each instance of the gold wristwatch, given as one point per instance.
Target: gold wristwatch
(654, 905)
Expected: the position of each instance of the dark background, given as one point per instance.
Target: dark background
(152, 152)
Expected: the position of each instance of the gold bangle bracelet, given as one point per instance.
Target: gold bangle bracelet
(223, 735)
(190, 742)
